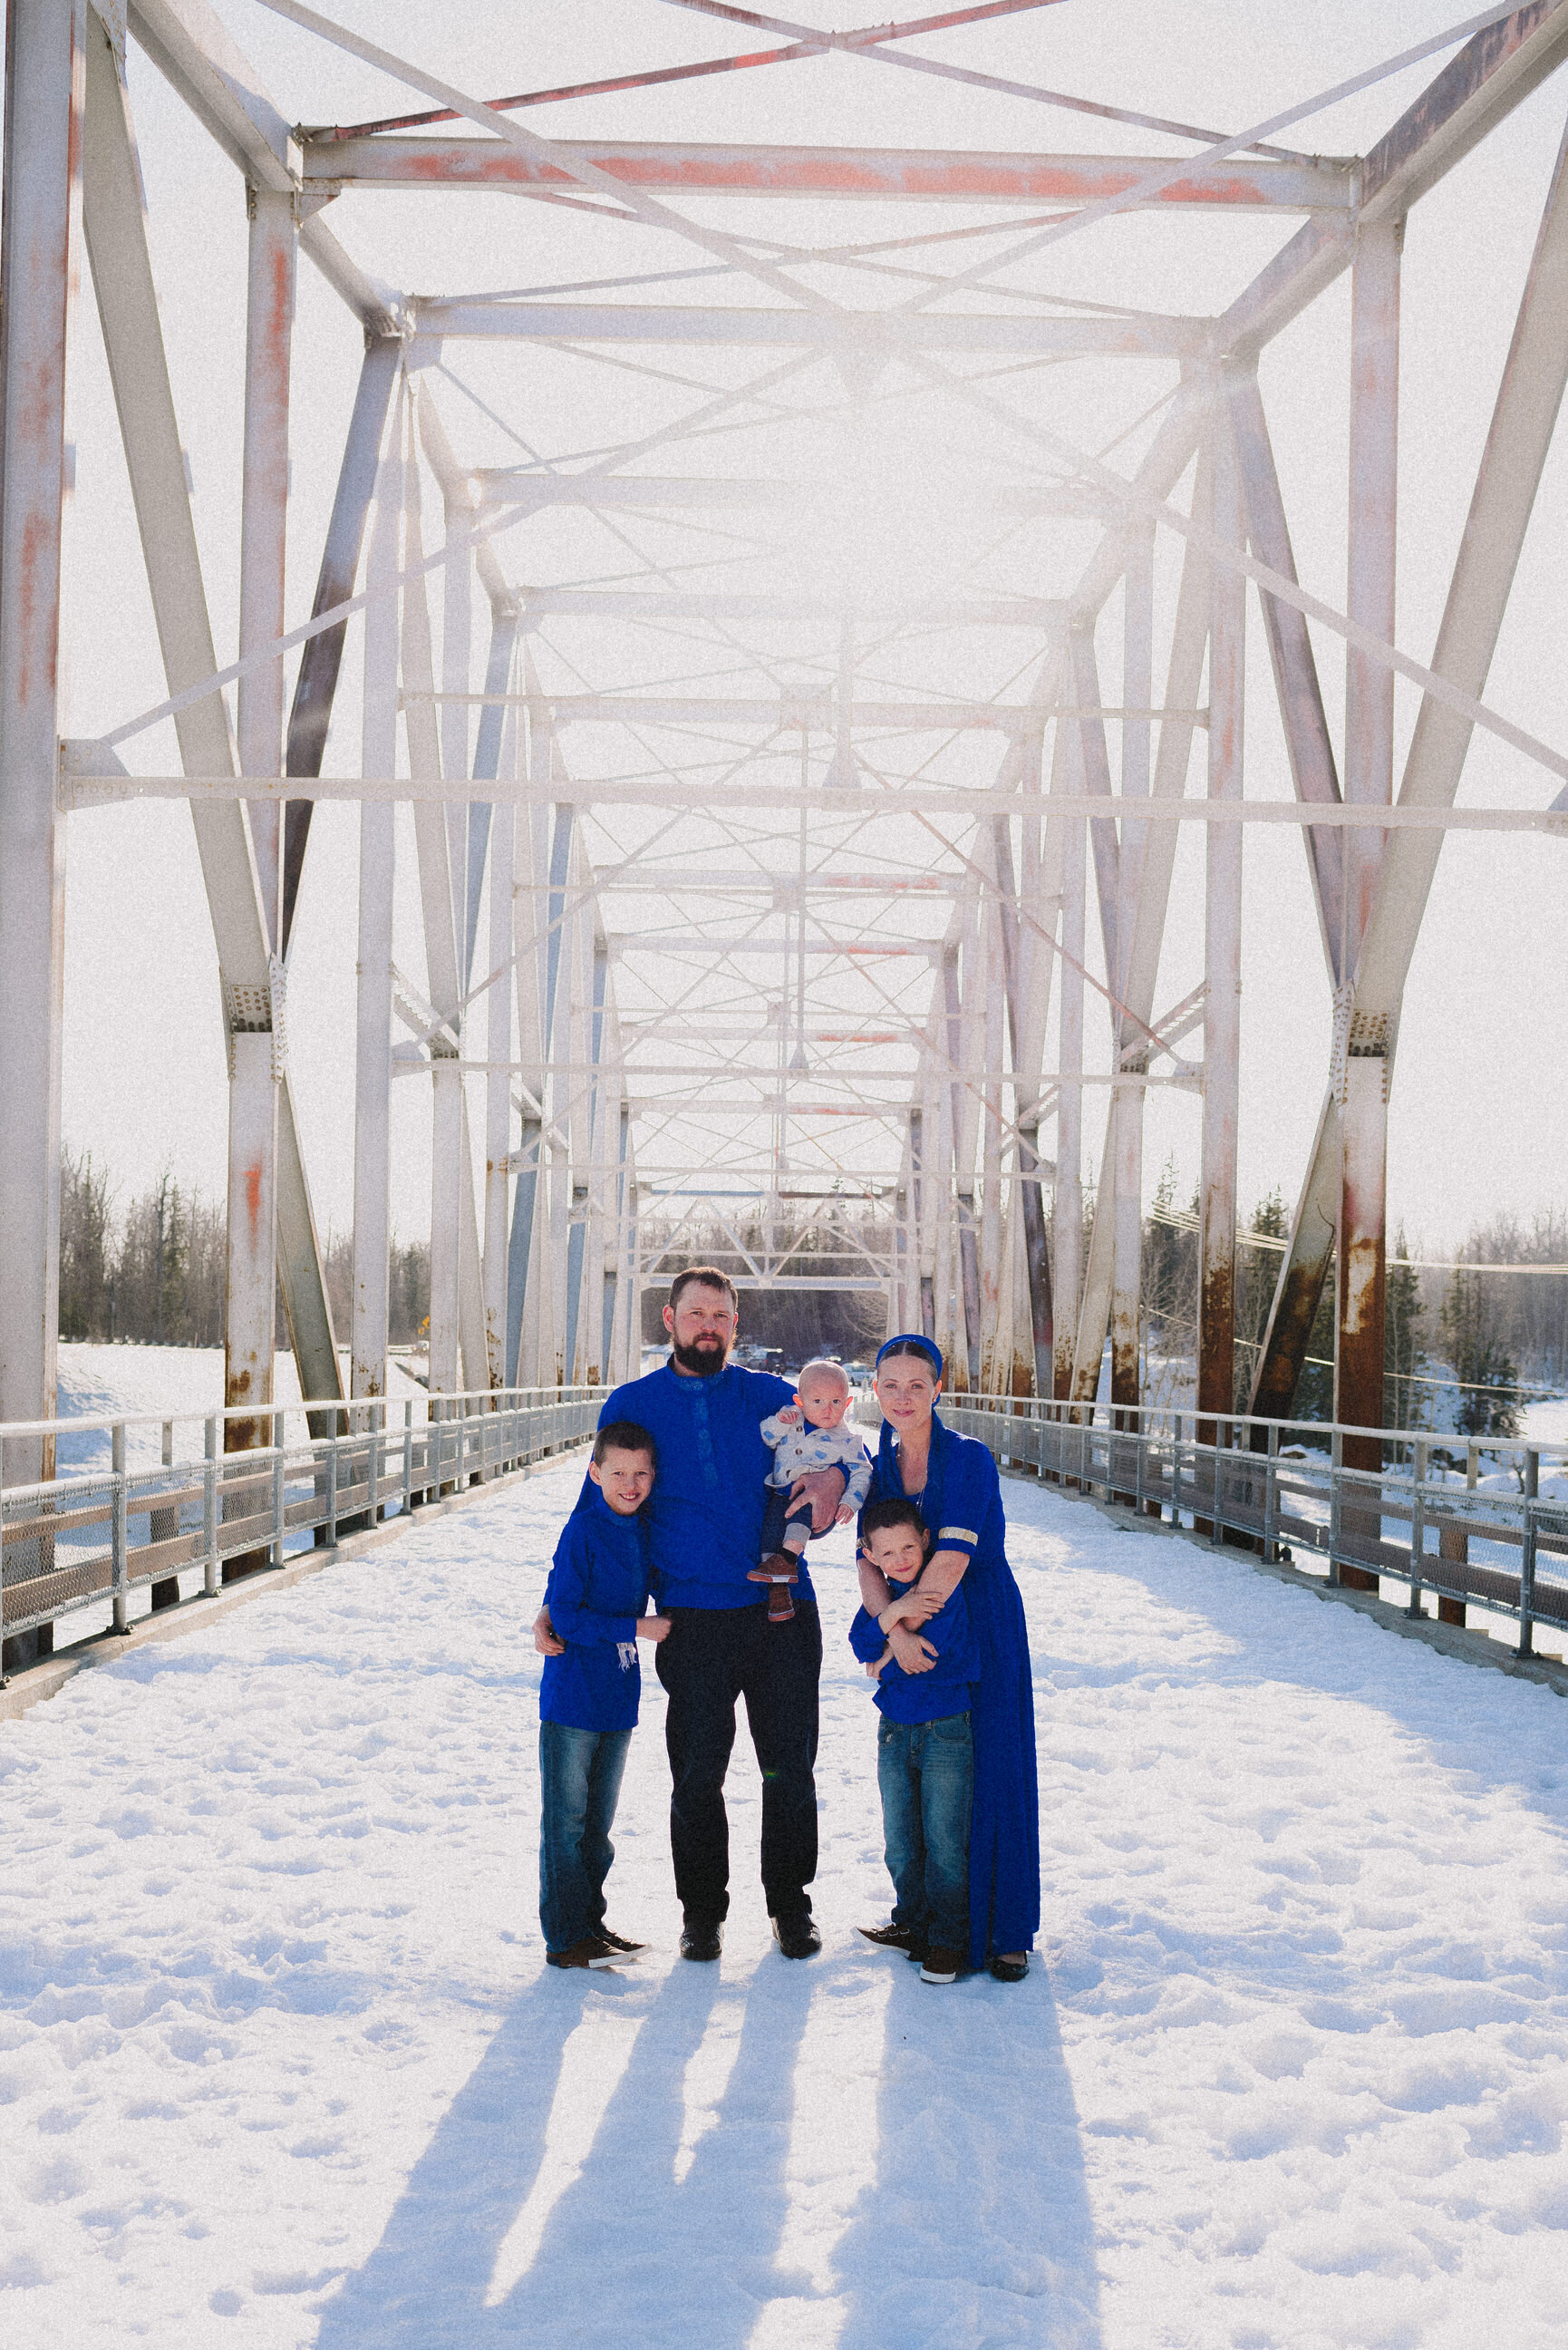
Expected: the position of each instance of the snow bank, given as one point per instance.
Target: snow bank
(183, 1383)
(283, 2066)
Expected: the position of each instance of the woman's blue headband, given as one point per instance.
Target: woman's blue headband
(912, 1342)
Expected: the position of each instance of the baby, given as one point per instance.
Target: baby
(809, 1434)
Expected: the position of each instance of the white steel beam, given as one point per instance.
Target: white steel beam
(1067, 780)
(1300, 696)
(321, 655)
(1530, 395)
(41, 225)
(835, 333)
(264, 520)
(377, 877)
(1222, 945)
(1476, 90)
(196, 54)
(122, 281)
(1360, 1254)
(1309, 183)
(82, 786)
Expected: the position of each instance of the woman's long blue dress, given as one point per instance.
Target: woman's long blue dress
(962, 1504)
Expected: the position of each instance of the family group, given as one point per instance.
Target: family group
(707, 1482)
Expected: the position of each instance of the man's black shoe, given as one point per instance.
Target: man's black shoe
(619, 1943)
(701, 1941)
(797, 1938)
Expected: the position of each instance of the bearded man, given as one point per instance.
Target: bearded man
(705, 1523)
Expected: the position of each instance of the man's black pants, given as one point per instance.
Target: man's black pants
(710, 1656)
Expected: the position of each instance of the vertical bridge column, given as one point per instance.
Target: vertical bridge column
(378, 876)
(255, 1055)
(1222, 951)
(1362, 1044)
(42, 199)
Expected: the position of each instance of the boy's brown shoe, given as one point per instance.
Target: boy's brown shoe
(781, 1607)
(779, 1566)
(620, 1944)
(591, 1952)
(941, 1966)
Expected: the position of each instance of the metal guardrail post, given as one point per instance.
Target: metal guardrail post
(373, 1460)
(1417, 1524)
(460, 1469)
(332, 1493)
(1336, 1503)
(278, 1488)
(164, 1525)
(1217, 1522)
(1175, 1469)
(209, 1561)
(407, 1455)
(1527, 1555)
(1272, 1498)
(118, 1537)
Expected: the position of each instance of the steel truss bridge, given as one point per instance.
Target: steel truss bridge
(774, 829)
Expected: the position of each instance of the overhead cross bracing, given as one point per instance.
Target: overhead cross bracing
(803, 633)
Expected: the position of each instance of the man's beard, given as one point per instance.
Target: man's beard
(705, 1358)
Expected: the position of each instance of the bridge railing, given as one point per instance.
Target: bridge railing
(1429, 1518)
(109, 1529)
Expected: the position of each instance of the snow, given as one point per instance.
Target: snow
(158, 1383)
(283, 2066)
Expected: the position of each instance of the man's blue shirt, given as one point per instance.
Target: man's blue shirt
(597, 1589)
(923, 1697)
(705, 1514)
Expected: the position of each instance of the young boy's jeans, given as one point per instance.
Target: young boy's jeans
(579, 1780)
(925, 1770)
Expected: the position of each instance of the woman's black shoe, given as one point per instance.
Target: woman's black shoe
(701, 1941)
(1009, 1969)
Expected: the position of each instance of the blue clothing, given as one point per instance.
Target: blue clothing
(597, 1588)
(705, 1513)
(579, 1782)
(923, 1697)
(925, 1776)
(962, 1506)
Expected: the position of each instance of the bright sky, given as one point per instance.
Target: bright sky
(1477, 1120)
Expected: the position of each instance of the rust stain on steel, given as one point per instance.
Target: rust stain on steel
(1296, 1310)
(1026, 178)
(1217, 1341)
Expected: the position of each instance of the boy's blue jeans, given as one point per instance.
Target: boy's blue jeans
(925, 1770)
(579, 1781)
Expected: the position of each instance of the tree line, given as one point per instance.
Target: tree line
(1458, 1344)
(151, 1272)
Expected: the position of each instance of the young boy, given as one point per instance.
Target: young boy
(588, 1698)
(925, 1757)
(809, 1434)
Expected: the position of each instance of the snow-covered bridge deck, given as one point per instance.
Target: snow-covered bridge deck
(282, 2063)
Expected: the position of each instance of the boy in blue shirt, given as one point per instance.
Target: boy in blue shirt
(588, 1697)
(925, 1754)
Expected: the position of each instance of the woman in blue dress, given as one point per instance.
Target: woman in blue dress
(954, 1480)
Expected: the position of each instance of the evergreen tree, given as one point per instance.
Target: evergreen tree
(86, 1248)
(1404, 1314)
(1479, 1358)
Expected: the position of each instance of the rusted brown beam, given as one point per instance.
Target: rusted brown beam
(938, 175)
